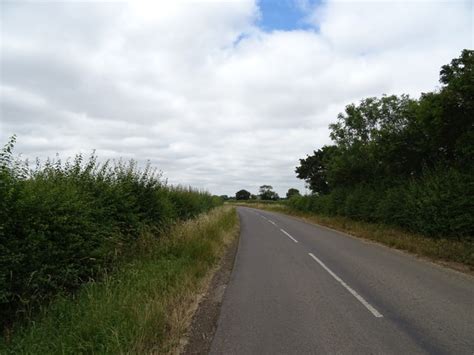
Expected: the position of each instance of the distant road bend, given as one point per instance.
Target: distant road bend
(300, 288)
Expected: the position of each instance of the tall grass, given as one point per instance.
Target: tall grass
(143, 307)
(65, 223)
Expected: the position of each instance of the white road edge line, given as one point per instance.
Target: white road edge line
(354, 293)
(288, 235)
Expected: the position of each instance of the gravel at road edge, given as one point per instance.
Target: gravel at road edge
(204, 322)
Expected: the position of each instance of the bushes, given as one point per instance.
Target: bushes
(143, 306)
(64, 223)
(401, 161)
(437, 204)
(441, 204)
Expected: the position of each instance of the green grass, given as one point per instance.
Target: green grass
(456, 253)
(144, 307)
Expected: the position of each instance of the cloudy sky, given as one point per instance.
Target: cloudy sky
(220, 95)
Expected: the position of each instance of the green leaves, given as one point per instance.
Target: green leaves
(242, 195)
(292, 192)
(395, 160)
(266, 193)
(315, 169)
(64, 223)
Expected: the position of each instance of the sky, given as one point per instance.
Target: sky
(219, 95)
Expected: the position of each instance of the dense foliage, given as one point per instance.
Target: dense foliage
(292, 192)
(242, 195)
(62, 224)
(402, 161)
(134, 309)
(266, 193)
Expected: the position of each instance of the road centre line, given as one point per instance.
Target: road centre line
(348, 288)
(272, 222)
(288, 235)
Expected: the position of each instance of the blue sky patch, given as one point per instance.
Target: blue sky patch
(285, 15)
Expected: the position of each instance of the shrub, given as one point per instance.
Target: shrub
(439, 203)
(62, 224)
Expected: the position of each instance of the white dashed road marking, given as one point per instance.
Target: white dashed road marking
(348, 288)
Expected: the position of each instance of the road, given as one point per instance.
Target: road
(297, 288)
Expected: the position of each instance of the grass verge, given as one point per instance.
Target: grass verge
(145, 307)
(457, 254)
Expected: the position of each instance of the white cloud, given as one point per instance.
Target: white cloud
(198, 89)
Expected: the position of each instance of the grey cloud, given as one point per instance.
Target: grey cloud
(168, 83)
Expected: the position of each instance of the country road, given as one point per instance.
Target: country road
(301, 288)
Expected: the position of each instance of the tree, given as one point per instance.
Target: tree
(267, 193)
(459, 76)
(314, 169)
(456, 131)
(292, 192)
(391, 138)
(242, 195)
(224, 197)
(394, 154)
(371, 140)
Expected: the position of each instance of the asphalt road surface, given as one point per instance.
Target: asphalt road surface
(299, 288)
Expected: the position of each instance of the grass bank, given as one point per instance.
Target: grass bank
(455, 253)
(143, 307)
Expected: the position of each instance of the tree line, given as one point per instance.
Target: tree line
(400, 160)
(266, 193)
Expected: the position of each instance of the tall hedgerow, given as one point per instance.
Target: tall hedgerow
(439, 204)
(64, 223)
